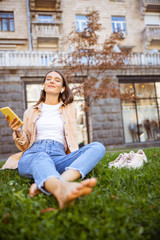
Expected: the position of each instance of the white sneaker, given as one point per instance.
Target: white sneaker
(116, 160)
(128, 159)
(144, 155)
(121, 161)
(138, 160)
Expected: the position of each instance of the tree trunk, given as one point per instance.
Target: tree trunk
(88, 127)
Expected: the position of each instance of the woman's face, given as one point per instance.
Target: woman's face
(53, 83)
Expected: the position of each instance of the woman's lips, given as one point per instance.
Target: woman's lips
(51, 86)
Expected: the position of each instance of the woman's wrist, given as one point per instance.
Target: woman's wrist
(18, 132)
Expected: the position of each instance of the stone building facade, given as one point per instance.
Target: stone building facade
(31, 33)
(15, 38)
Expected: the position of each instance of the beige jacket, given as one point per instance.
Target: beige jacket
(27, 138)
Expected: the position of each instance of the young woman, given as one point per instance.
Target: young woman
(48, 142)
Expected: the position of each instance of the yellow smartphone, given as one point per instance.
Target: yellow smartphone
(7, 111)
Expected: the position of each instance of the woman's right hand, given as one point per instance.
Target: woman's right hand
(14, 124)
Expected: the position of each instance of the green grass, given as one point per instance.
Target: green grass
(125, 204)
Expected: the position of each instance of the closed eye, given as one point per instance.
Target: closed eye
(57, 79)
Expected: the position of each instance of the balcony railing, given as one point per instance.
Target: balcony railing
(151, 1)
(145, 59)
(37, 58)
(34, 58)
(46, 29)
(149, 5)
(151, 33)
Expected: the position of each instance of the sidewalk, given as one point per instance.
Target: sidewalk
(110, 149)
(4, 157)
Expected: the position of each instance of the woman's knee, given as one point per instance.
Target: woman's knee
(99, 147)
(22, 167)
(28, 160)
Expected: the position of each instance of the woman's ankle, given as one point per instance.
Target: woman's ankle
(53, 185)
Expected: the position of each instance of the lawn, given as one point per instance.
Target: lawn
(125, 204)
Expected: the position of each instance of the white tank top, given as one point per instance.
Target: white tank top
(50, 124)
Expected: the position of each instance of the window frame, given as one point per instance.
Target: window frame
(9, 22)
(80, 22)
(45, 15)
(121, 22)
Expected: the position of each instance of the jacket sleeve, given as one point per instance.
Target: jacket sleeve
(23, 141)
(75, 111)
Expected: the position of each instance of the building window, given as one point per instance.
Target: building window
(6, 21)
(118, 24)
(45, 18)
(32, 93)
(152, 20)
(141, 116)
(81, 23)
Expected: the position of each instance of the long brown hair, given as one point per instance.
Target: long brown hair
(66, 96)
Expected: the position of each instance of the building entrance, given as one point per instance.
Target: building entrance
(141, 120)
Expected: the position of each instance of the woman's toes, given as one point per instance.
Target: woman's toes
(34, 190)
(75, 191)
(89, 182)
(72, 191)
(31, 190)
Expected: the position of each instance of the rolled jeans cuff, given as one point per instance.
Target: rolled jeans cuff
(76, 169)
(41, 184)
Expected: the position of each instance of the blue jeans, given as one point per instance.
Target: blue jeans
(47, 158)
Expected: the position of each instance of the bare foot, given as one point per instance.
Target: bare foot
(33, 191)
(68, 191)
(89, 182)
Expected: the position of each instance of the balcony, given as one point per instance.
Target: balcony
(45, 5)
(44, 58)
(151, 34)
(149, 6)
(45, 30)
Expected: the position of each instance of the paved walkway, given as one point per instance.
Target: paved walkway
(4, 157)
(136, 147)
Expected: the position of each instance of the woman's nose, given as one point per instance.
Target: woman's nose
(52, 80)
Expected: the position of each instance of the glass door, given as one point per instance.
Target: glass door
(141, 115)
(147, 119)
(129, 122)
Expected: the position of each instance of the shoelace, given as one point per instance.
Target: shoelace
(118, 158)
(129, 158)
